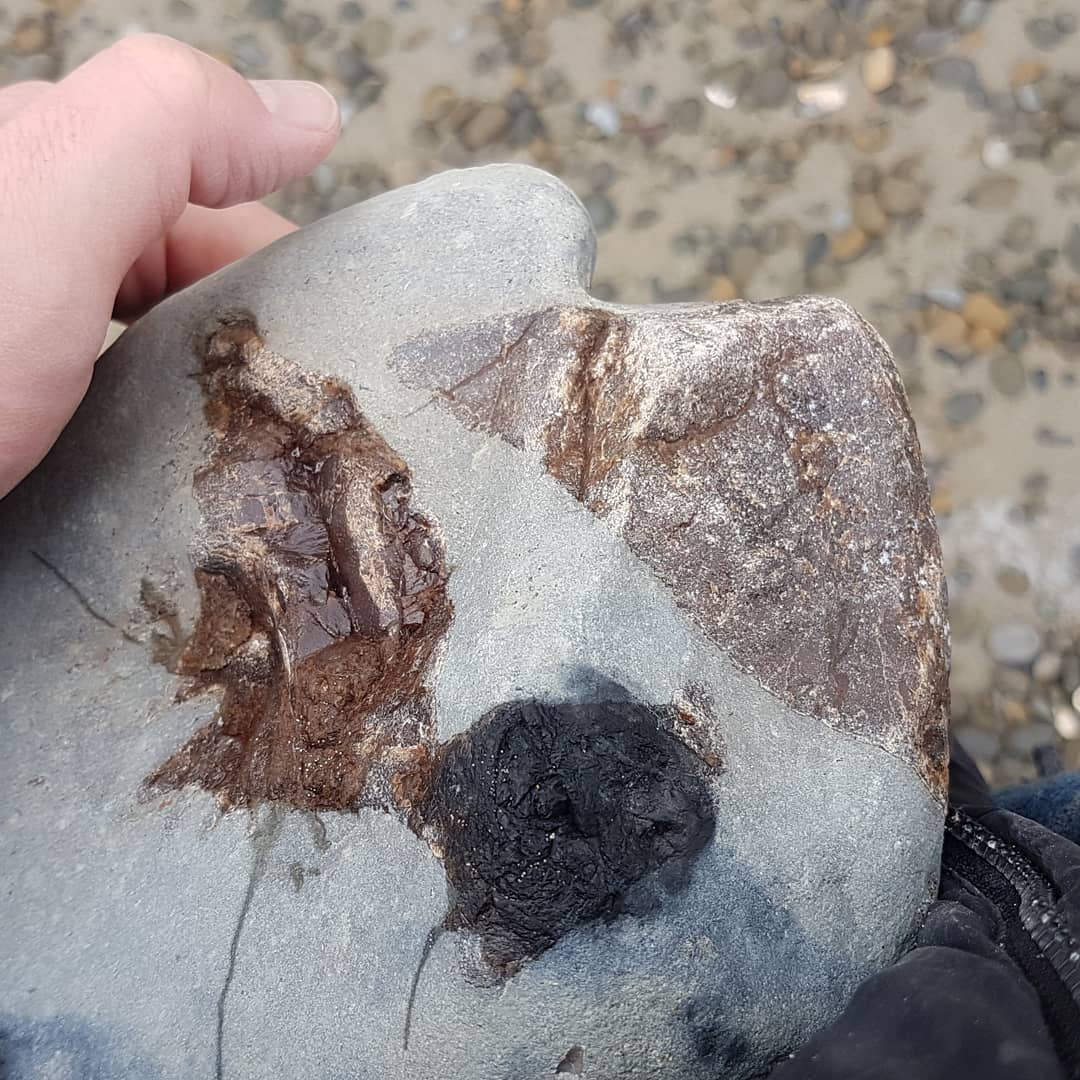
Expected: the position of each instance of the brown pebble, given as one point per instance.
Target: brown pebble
(439, 103)
(723, 289)
(868, 214)
(982, 311)
(981, 339)
(485, 127)
(900, 197)
(1026, 72)
(848, 245)
(31, 36)
(871, 137)
(945, 327)
(1013, 580)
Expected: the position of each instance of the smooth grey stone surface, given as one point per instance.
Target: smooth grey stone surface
(147, 934)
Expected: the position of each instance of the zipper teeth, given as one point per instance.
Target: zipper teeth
(1039, 916)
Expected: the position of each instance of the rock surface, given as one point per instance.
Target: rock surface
(314, 648)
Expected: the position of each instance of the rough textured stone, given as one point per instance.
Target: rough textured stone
(405, 441)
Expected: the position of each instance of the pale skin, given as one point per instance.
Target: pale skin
(132, 177)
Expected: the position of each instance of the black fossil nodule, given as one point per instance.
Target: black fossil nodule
(548, 816)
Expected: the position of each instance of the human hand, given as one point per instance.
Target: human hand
(112, 184)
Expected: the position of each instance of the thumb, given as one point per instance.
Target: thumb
(97, 168)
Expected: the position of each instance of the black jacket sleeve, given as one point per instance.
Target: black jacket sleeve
(991, 988)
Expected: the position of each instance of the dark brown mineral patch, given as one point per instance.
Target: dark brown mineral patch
(761, 460)
(322, 589)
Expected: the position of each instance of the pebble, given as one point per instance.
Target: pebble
(1042, 33)
(972, 13)
(601, 209)
(982, 311)
(946, 296)
(962, 408)
(1066, 722)
(939, 13)
(604, 116)
(1064, 155)
(899, 197)
(1007, 375)
(954, 72)
(485, 126)
(266, 9)
(375, 36)
(1024, 740)
(820, 98)
(849, 245)
(978, 742)
(1025, 72)
(31, 36)
(769, 88)
(1030, 286)
(816, 249)
(993, 193)
(996, 153)
(1014, 644)
(1019, 234)
(1071, 250)
(1047, 667)
(879, 69)
(871, 137)
(685, 115)
(323, 181)
(868, 215)
(723, 289)
(1070, 112)
(946, 328)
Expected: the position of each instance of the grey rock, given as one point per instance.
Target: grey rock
(1070, 112)
(1019, 234)
(266, 9)
(1066, 23)
(1043, 33)
(1026, 740)
(686, 115)
(1071, 249)
(972, 13)
(1007, 375)
(962, 408)
(601, 211)
(981, 744)
(1014, 644)
(454, 316)
(955, 72)
(1030, 286)
(939, 13)
(768, 88)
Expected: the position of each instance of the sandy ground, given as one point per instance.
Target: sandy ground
(921, 160)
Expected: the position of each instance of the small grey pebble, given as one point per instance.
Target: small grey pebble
(601, 175)
(939, 13)
(303, 27)
(981, 744)
(1007, 375)
(644, 218)
(601, 209)
(1019, 233)
(1017, 338)
(972, 13)
(685, 115)
(1027, 739)
(956, 72)
(929, 43)
(1014, 644)
(962, 408)
(1030, 286)
(265, 9)
(1066, 22)
(1070, 111)
(248, 54)
(351, 12)
(1072, 249)
(1042, 33)
(323, 181)
(816, 250)
(946, 296)
(769, 88)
